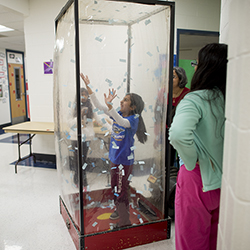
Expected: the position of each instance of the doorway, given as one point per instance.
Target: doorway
(189, 42)
(17, 88)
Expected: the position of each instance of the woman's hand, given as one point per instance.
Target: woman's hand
(108, 99)
(87, 82)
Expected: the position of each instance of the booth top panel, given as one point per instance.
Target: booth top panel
(116, 12)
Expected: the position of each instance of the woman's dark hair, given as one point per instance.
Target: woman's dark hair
(211, 69)
(137, 101)
(180, 72)
(211, 73)
(87, 104)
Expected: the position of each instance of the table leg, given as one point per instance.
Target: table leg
(31, 154)
(19, 150)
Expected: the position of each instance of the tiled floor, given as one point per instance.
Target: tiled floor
(29, 207)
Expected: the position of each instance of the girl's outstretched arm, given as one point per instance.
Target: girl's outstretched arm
(108, 99)
(93, 96)
(87, 82)
(109, 110)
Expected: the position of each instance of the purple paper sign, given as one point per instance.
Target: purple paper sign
(48, 67)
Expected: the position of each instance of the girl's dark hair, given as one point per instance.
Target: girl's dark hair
(180, 72)
(137, 101)
(212, 68)
(87, 104)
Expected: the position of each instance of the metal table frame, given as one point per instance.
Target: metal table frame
(29, 128)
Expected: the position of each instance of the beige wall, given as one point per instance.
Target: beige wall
(235, 197)
(197, 15)
(39, 29)
(39, 39)
(21, 6)
(39, 43)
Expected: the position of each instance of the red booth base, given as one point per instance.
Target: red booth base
(118, 238)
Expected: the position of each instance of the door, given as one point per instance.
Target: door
(189, 42)
(17, 88)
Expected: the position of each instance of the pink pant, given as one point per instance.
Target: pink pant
(196, 212)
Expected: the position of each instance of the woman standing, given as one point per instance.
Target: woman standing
(197, 133)
(179, 82)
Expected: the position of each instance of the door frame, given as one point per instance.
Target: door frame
(191, 32)
(24, 78)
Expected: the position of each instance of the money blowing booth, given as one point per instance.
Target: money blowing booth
(114, 175)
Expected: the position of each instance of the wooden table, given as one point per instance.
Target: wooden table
(29, 128)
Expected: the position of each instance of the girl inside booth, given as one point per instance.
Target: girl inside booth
(126, 123)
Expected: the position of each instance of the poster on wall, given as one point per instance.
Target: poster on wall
(48, 67)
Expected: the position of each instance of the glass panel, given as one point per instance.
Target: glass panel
(64, 104)
(17, 83)
(124, 46)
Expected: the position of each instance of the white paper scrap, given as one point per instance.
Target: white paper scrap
(130, 157)
(84, 166)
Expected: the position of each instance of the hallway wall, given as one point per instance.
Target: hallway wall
(235, 196)
(39, 38)
(39, 45)
(39, 29)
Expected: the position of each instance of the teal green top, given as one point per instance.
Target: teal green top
(197, 133)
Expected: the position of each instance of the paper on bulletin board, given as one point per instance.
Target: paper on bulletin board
(48, 67)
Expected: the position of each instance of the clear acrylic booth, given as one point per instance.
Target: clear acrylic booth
(128, 46)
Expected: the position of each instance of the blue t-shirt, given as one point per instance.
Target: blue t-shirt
(121, 149)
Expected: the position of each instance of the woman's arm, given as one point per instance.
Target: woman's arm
(181, 131)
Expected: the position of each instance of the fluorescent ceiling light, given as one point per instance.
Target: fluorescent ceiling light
(5, 29)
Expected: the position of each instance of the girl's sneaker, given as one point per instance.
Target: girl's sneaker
(114, 216)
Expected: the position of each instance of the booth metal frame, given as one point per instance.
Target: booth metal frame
(142, 233)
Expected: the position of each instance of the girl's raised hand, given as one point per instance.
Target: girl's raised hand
(110, 98)
(87, 82)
